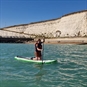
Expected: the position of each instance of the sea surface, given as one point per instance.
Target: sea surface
(70, 70)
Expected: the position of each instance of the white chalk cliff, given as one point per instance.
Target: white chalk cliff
(69, 25)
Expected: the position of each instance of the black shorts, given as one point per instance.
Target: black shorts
(38, 54)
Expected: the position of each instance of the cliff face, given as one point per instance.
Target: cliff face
(71, 25)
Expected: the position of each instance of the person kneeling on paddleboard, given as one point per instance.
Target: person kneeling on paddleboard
(38, 49)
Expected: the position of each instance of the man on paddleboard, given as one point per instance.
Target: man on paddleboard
(38, 49)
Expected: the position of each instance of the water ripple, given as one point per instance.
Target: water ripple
(69, 71)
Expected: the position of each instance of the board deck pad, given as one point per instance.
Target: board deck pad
(28, 59)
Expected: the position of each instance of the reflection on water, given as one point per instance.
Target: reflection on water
(41, 72)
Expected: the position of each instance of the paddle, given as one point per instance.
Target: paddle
(43, 49)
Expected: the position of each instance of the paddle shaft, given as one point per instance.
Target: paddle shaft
(42, 52)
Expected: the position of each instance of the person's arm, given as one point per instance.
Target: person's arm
(43, 40)
(39, 49)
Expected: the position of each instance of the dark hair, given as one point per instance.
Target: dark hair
(39, 39)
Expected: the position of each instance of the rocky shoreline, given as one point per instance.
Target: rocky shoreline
(73, 40)
(80, 41)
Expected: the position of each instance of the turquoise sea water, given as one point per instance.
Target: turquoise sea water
(69, 71)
